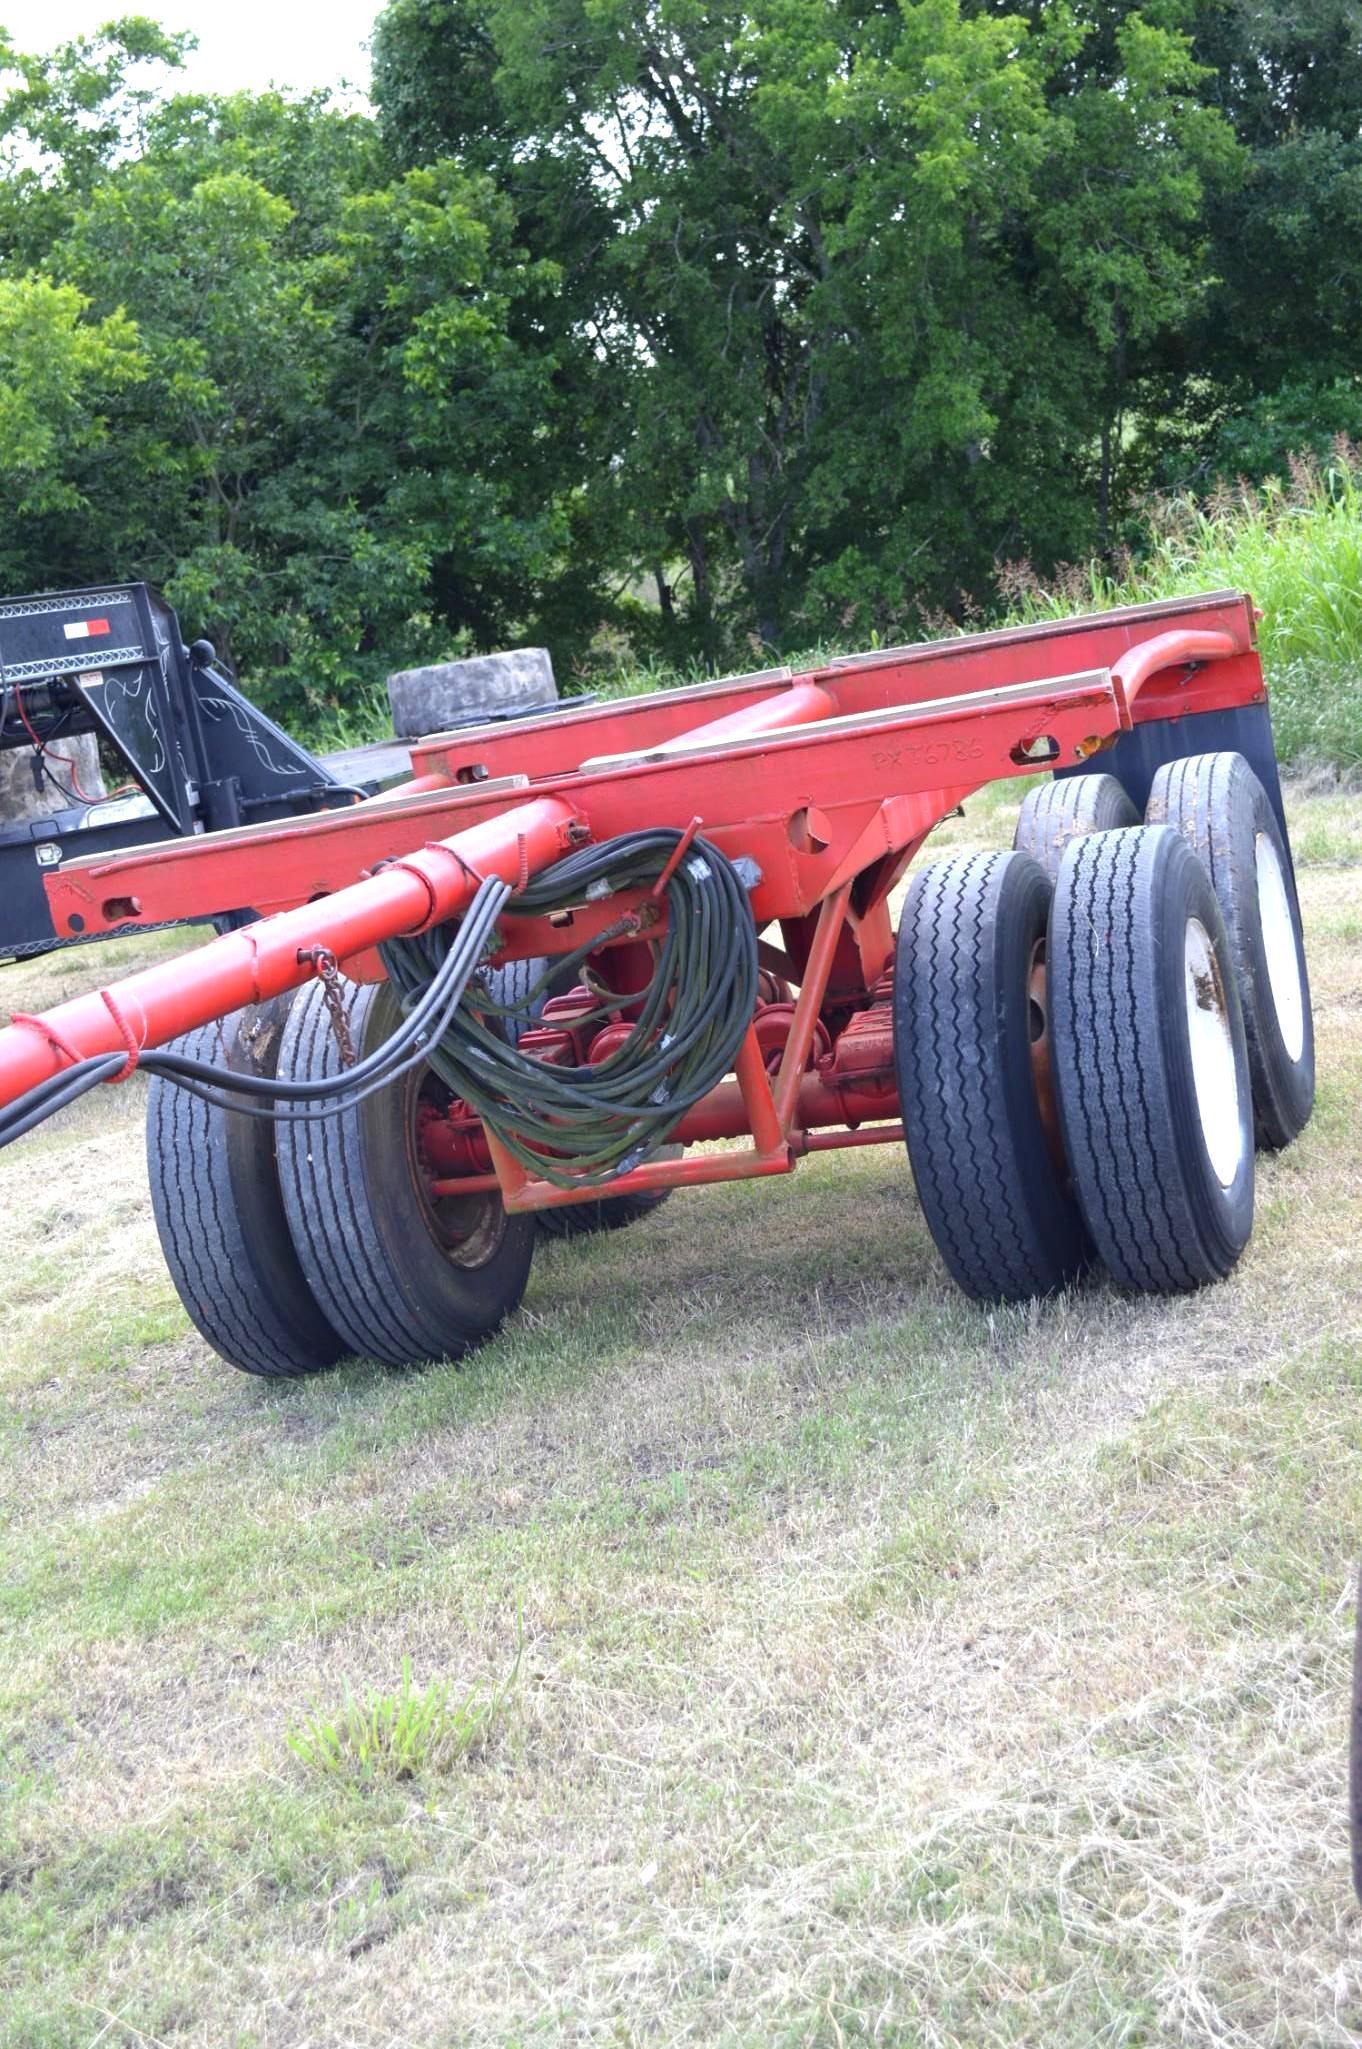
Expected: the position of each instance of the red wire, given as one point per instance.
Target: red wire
(47, 753)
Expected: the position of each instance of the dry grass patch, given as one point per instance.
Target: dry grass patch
(893, 1671)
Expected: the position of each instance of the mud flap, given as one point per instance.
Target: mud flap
(1136, 758)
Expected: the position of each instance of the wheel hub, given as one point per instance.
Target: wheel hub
(1279, 945)
(1042, 1073)
(1215, 1076)
(468, 1228)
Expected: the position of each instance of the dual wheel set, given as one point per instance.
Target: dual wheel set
(1092, 1032)
(294, 1242)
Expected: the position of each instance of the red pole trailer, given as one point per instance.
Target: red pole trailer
(604, 942)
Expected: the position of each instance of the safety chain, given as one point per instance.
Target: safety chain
(324, 961)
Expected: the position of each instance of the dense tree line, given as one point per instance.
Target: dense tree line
(702, 325)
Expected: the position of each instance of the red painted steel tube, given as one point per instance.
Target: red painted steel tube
(799, 705)
(743, 1166)
(723, 1114)
(837, 1141)
(1167, 651)
(262, 960)
(827, 932)
(512, 1174)
(768, 1134)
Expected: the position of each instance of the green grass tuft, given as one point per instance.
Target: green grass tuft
(411, 1733)
(905, 1671)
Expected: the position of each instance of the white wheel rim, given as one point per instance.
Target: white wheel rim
(1215, 1077)
(1279, 945)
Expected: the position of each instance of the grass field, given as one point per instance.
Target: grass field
(847, 1663)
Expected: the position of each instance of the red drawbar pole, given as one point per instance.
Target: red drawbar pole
(262, 960)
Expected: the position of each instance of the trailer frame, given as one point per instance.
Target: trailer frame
(828, 781)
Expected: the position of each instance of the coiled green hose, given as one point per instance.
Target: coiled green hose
(587, 1125)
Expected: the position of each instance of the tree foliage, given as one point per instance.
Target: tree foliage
(59, 373)
(717, 325)
(881, 289)
(284, 380)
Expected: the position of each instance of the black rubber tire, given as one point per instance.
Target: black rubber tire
(995, 1201)
(1221, 809)
(1055, 813)
(220, 1214)
(512, 984)
(368, 1239)
(577, 1219)
(1118, 982)
(446, 695)
(611, 1213)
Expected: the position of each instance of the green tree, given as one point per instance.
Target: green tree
(345, 447)
(336, 435)
(59, 372)
(804, 312)
(64, 118)
(1262, 356)
(874, 291)
(1279, 344)
(1121, 219)
(235, 349)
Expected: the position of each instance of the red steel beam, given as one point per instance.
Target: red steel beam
(557, 744)
(701, 1168)
(812, 989)
(925, 757)
(763, 1119)
(838, 1141)
(880, 776)
(744, 771)
(818, 1104)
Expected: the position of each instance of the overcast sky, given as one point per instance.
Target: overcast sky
(241, 42)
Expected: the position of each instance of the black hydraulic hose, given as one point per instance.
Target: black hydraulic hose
(269, 1096)
(54, 1094)
(424, 1023)
(570, 1124)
